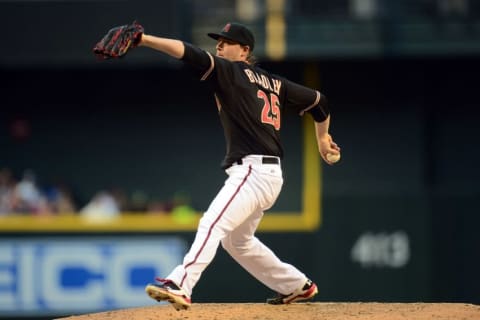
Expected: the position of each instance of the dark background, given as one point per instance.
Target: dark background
(406, 116)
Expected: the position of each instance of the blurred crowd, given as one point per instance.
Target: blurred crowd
(25, 196)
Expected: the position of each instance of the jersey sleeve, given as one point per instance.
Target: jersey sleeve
(206, 65)
(200, 61)
(300, 98)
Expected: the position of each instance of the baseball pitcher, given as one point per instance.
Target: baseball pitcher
(250, 103)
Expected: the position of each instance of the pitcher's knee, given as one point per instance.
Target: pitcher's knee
(237, 247)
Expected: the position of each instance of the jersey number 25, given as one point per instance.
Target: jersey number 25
(271, 109)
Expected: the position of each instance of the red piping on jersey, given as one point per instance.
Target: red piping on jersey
(214, 223)
(317, 100)
(210, 69)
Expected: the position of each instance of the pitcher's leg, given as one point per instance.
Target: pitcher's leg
(201, 253)
(259, 260)
(232, 205)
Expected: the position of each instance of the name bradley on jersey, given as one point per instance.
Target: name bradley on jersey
(260, 79)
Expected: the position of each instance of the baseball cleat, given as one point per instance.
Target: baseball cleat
(308, 291)
(169, 291)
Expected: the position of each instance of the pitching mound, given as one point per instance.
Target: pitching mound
(299, 311)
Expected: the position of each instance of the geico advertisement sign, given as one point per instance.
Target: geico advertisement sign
(82, 274)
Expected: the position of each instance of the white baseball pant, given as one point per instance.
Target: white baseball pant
(232, 218)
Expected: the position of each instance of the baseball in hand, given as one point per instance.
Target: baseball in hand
(333, 157)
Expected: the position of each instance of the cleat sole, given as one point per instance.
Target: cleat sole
(163, 295)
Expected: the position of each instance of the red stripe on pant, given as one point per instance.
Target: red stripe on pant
(214, 223)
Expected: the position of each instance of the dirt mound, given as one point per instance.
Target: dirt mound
(299, 311)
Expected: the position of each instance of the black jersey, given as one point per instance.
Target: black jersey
(250, 102)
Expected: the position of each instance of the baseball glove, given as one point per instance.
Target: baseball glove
(118, 40)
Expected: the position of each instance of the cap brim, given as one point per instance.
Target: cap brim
(216, 36)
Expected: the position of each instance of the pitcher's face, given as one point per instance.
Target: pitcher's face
(231, 50)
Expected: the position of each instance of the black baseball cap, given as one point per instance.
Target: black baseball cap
(236, 32)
